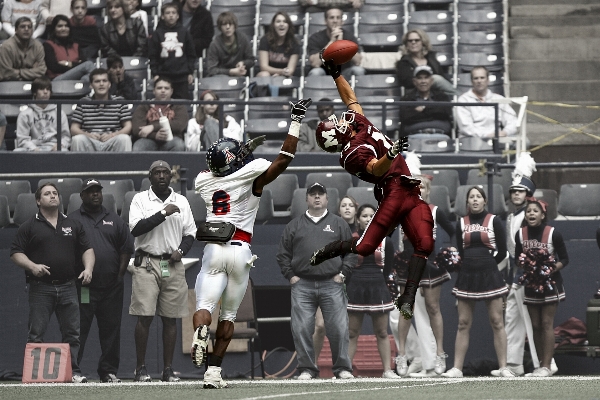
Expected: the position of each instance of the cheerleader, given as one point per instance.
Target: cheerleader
(542, 295)
(482, 245)
(368, 294)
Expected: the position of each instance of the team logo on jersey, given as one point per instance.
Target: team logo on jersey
(229, 156)
(327, 228)
(107, 222)
(67, 231)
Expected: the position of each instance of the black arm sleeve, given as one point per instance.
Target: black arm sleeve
(442, 220)
(186, 244)
(560, 248)
(518, 246)
(500, 234)
(146, 225)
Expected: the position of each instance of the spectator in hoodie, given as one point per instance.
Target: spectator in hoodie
(121, 84)
(21, 57)
(198, 21)
(84, 30)
(231, 52)
(13, 10)
(122, 35)
(148, 135)
(172, 52)
(62, 54)
(37, 124)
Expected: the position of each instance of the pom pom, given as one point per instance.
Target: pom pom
(538, 266)
(448, 259)
(413, 162)
(398, 274)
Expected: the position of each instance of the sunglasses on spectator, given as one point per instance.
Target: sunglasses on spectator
(413, 40)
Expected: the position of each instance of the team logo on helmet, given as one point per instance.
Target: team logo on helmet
(229, 156)
(332, 135)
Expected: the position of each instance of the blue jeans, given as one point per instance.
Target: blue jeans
(307, 295)
(144, 144)
(44, 300)
(78, 73)
(347, 72)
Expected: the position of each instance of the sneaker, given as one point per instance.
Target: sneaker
(517, 370)
(200, 345)
(506, 372)
(425, 373)
(141, 375)
(389, 374)
(212, 378)
(415, 365)
(110, 378)
(78, 379)
(304, 376)
(453, 373)
(169, 376)
(401, 365)
(553, 367)
(345, 375)
(542, 372)
(440, 363)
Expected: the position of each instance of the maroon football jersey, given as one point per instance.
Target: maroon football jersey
(369, 143)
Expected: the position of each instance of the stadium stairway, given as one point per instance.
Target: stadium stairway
(554, 58)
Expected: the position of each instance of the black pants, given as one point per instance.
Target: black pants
(107, 306)
(181, 90)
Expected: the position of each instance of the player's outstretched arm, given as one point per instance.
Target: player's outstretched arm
(379, 167)
(344, 89)
(288, 150)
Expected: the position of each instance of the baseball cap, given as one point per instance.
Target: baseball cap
(88, 183)
(316, 187)
(423, 68)
(159, 163)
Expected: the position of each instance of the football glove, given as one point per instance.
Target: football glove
(330, 68)
(299, 109)
(399, 146)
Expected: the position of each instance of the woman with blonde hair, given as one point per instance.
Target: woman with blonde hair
(203, 129)
(416, 51)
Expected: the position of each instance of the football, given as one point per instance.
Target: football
(340, 51)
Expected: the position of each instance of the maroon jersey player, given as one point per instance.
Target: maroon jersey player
(373, 157)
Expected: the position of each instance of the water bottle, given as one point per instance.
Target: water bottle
(164, 124)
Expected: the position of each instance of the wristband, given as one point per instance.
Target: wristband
(390, 156)
(294, 129)
(285, 153)
(180, 252)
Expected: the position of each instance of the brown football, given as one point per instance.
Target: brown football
(340, 51)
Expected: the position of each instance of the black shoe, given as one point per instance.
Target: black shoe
(169, 376)
(110, 378)
(331, 250)
(142, 375)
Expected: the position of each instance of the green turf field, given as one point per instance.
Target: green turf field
(561, 388)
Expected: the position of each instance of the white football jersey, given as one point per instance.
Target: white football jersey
(229, 198)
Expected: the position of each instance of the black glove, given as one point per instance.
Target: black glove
(251, 145)
(398, 146)
(299, 109)
(330, 68)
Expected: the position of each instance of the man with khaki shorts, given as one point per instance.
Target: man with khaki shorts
(163, 226)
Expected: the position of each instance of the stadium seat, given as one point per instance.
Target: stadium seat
(551, 198)
(479, 37)
(383, 5)
(318, 87)
(269, 107)
(492, 61)
(417, 5)
(316, 22)
(444, 177)
(480, 16)
(445, 55)
(285, 86)
(197, 205)
(475, 144)
(4, 212)
(439, 34)
(96, 6)
(12, 190)
(504, 179)
(487, 5)
(425, 145)
(342, 181)
(440, 197)
(273, 6)
(380, 22)
(496, 84)
(430, 17)
(69, 89)
(377, 85)
(25, 208)
(272, 128)
(375, 112)
(227, 87)
(136, 67)
(15, 89)
(127, 204)
(66, 186)
(460, 206)
(266, 210)
(148, 5)
(117, 188)
(282, 190)
(362, 195)
(579, 200)
(299, 202)
(108, 201)
(380, 42)
(362, 183)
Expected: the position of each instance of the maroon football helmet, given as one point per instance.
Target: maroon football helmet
(332, 135)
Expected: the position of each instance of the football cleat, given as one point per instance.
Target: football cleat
(200, 345)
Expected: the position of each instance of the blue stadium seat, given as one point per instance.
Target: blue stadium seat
(272, 6)
(380, 22)
(282, 190)
(69, 89)
(269, 107)
(492, 61)
(383, 5)
(318, 87)
(127, 204)
(376, 85)
(227, 87)
(579, 200)
(12, 190)
(266, 210)
(445, 177)
(4, 212)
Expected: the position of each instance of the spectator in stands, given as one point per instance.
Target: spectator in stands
(51, 8)
(307, 140)
(3, 123)
(50, 247)
(314, 287)
(101, 127)
(348, 211)
(479, 121)
(122, 35)
(425, 121)
(13, 10)
(36, 125)
(319, 40)
(62, 54)
(278, 50)
(416, 51)
(203, 129)
(84, 30)
(21, 57)
(113, 246)
(121, 84)
(135, 11)
(368, 294)
(171, 52)
(319, 5)
(198, 20)
(230, 53)
(148, 134)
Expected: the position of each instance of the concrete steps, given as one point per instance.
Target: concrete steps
(534, 70)
(546, 3)
(564, 91)
(552, 50)
(550, 31)
(566, 10)
(541, 133)
(569, 115)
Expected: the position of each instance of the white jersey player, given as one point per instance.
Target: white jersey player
(232, 190)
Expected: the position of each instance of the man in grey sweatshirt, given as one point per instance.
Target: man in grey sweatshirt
(317, 286)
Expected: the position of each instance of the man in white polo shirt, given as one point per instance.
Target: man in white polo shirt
(163, 226)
